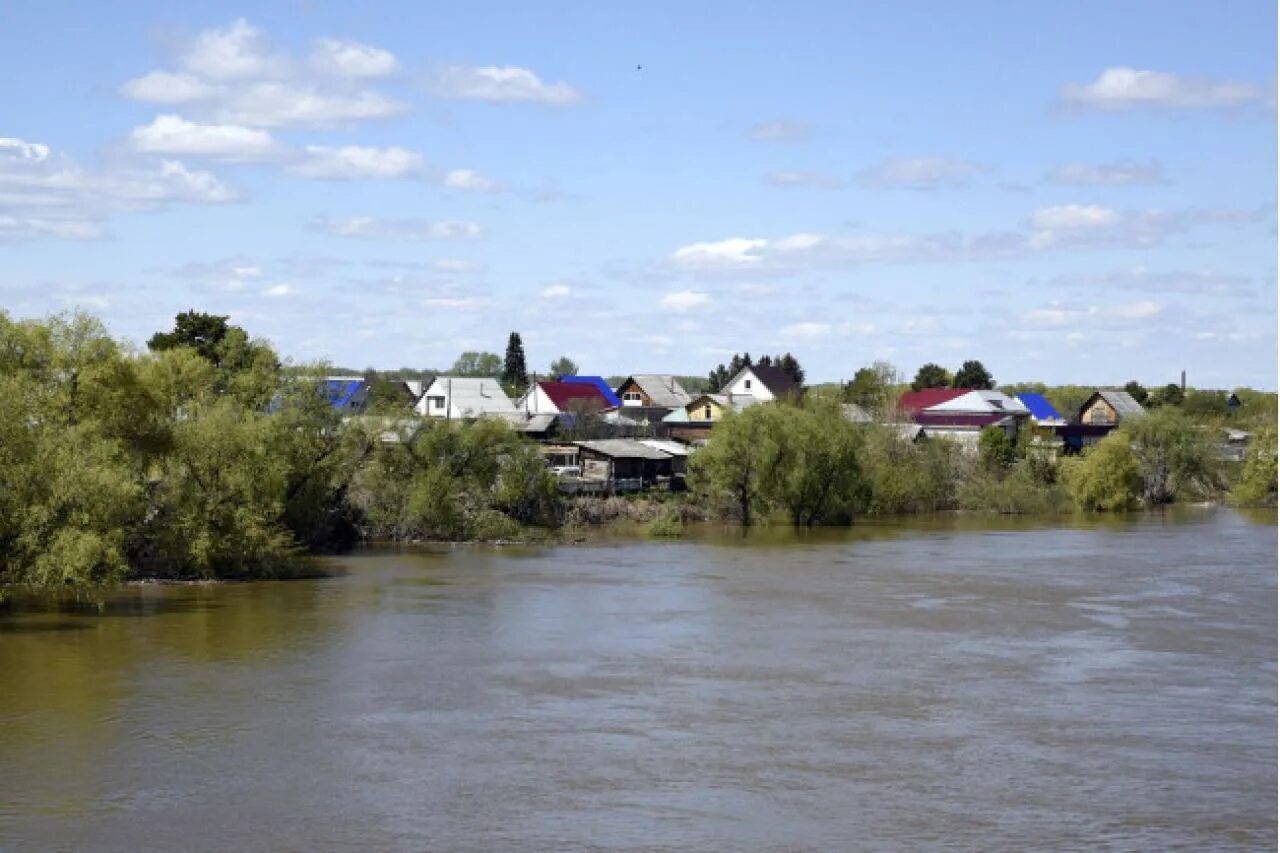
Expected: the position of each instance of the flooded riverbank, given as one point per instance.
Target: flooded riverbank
(973, 682)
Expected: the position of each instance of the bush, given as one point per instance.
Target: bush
(1106, 478)
(1257, 485)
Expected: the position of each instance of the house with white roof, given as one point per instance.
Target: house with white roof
(466, 397)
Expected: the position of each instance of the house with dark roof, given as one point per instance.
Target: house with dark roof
(763, 383)
(563, 398)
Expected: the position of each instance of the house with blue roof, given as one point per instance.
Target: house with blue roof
(348, 394)
(1042, 411)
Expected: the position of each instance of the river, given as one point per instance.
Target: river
(948, 683)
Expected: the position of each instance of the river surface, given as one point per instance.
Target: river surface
(899, 686)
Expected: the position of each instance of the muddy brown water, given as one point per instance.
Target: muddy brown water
(941, 684)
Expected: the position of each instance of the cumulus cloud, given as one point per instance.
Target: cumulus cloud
(779, 130)
(556, 291)
(344, 58)
(1122, 88)
(920, 173)
(1123, 174)
(1069, 216)
(807, 180)
(471, 181)
(1058, 314)
(172, 134)
(230, 76)
(735, 251)
(373, 228)
(279, 290)
(684, 300)
(818, 330)
(497, 84)
(352, 162)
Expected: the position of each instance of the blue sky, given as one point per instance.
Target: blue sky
(1069, 192)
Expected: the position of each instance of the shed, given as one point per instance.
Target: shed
(1109, 408)
(624, 459)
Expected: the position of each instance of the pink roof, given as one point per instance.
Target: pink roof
(914, 401)
(563, 394)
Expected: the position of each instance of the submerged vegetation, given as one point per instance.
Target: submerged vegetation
(204, 458)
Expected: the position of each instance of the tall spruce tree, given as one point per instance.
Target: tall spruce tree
(514, 371)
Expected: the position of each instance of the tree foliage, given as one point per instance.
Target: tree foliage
(477, 364)
(1137, 391)
(931, 376)
(995, 448)
(972, 374)
(872, 387)
(514, 371)
(1106, 478)
(1257, 483)
(563, 366)
(1175, 458)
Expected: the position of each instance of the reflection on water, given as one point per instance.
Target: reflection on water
(952, 681)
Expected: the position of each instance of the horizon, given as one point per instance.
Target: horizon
(654, 190)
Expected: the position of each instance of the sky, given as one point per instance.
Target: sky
(1071, 193)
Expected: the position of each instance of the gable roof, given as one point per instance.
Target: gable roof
(1041, 409)
(343, 392)
(775, 379)
(564, 394)
(662, 389)
(623, 448)
(600, 385)
(915, 401)
(1121, 401)
(471, 396)
(981, 401)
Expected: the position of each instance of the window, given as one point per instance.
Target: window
(746, 383)
(436, 402)
(632, 398)
(706, 411)
(1099, 415)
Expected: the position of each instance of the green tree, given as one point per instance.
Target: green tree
(1106, 478)
(790, 365)
(1170, 395)
(478, 364)
(1175, 458)
(514, 371)
(1137, 391)
(973, 375)
(872, 387)
(202, 332)
(720, 376)
(995, 448)
(1257, 484)
(563, 366)
(931, 376)
(730, 469)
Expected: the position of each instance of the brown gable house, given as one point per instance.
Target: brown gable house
(1109, 408)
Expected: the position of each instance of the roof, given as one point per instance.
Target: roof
(342, 393)
(737, 402)
(1121, 401)
(959, 420)
(914, 401)
(676, 416)
(666, 445)
(598, 381)
(566, 393)
(623, 448)
(471, 396)
(1040, 408)
(981, 401)
(536, 423)
(662, 389)
(777, 380)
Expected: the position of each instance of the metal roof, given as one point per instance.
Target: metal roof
(1121, 401)
(1041, 409)
(666, 445)
(623, 448)
(980, 401)
(342, 393)
(471, 396)
(663, 389)
(562, 394)
(914, 401)
(598, 381)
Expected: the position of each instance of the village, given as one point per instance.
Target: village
(637, 432)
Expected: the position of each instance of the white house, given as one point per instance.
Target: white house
(760, 383)
(465, 397)
(982, 402)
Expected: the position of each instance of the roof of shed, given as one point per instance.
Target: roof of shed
(623, 448)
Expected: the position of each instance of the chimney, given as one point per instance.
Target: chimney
(1184, 381)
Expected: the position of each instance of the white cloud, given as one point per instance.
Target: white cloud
(456, 303)
(810, 180)
(172, 134)
(48, 195)
(280, 290)
(352, 162)
(501, 83)
(168, 87)
(1068, 216)
(234, 52)
(1111, 315)
(921, 173)
(1200, 282)
(1107, 175)
(1121, 88)
(684, 300)
(466, 179)
(344, 58)
(368, 227)
(779, 130)
(273, 103)
(817, 330)
(736, 251)
(556, 291)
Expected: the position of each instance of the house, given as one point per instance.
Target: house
(981, 402)
(709, 408)
(961, 414)
(603, 387)
(1109, 408)
(349, 394)
(626, 463)
(653, 391)
(460, 397)
(560, 398)
(1043, 414)
(763, 383)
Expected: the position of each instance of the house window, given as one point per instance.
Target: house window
(746, 383)
(632, 398)
(706, 412)
(436, 402)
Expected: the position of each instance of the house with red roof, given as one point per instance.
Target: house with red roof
(559, 398)
(960, 414)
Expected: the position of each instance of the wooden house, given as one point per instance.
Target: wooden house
(1109, 408)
